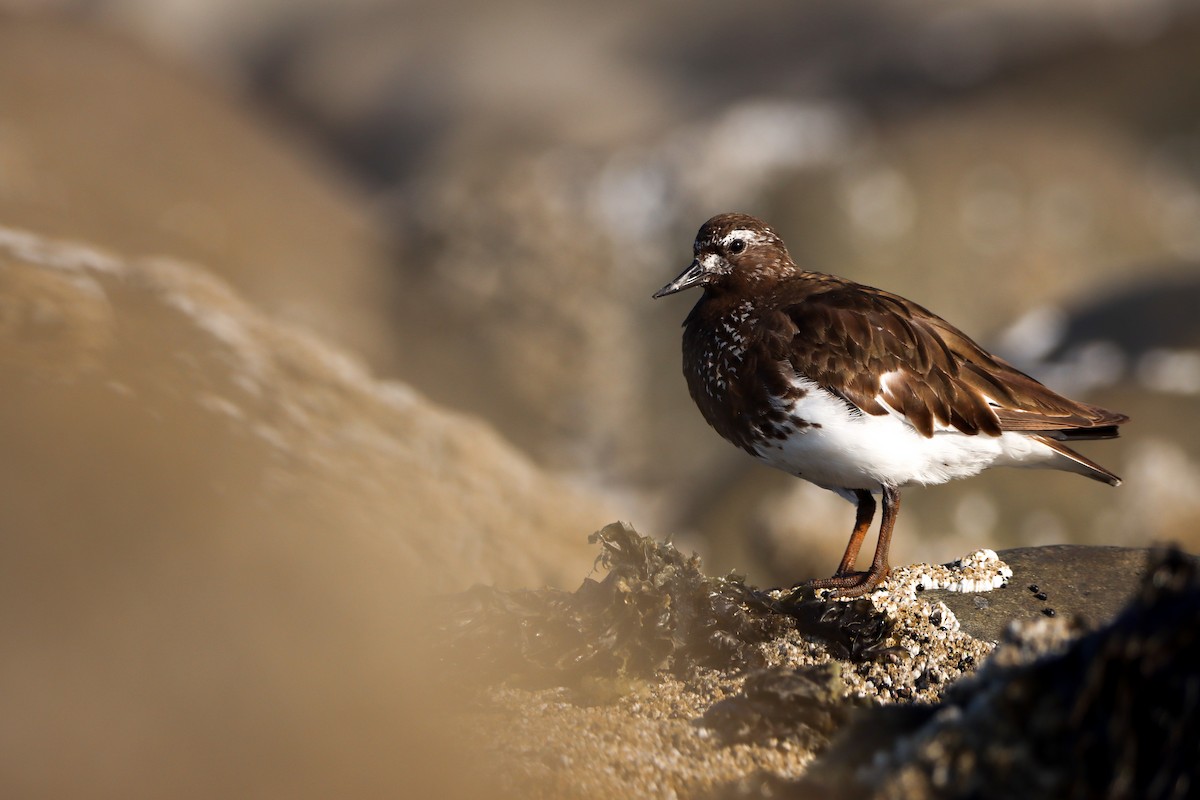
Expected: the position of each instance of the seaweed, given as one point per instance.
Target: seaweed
(655, 610)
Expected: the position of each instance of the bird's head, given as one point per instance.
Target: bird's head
(732, 250)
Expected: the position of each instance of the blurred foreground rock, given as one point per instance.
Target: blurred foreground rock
(218, 536)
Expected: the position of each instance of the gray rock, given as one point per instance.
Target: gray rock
(1079, 581)
(1111, 714)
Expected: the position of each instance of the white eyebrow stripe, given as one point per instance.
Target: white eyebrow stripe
(746, 235)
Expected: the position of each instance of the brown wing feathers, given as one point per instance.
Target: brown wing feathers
(844, 339)
(846, 336)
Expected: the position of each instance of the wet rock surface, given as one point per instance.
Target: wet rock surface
(1086, 582)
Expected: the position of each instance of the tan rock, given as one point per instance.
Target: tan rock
(103, 142)
(215, 533)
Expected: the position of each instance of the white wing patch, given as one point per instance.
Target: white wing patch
(841, 450)
(885, 383)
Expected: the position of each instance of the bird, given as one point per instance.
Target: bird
(856, 389)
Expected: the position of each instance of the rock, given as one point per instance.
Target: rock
(654, 611)
(659, 678)
(1054, 711)
(105, 143)
(1111, 714)
(782, 703)
(220, 535)
(192, 390)
(1088, 582)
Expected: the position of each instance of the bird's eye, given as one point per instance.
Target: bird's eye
(737, 246)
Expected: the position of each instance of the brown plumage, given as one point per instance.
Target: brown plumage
(794, 367)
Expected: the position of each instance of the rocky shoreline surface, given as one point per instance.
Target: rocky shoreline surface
(658, 681)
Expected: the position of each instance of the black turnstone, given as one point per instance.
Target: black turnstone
(856, 389)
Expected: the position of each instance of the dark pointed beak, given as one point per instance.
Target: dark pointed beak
(692, 276)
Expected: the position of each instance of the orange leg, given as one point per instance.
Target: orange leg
(862, 522)
(854, 584)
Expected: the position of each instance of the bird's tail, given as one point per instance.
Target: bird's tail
(1070, 461)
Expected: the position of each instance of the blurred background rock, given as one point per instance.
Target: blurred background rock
(478, 200)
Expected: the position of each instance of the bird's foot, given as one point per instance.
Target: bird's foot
(851, 584)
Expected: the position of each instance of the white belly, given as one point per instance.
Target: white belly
(864, 451)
